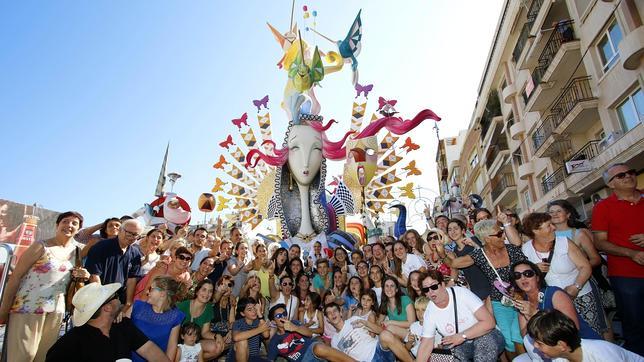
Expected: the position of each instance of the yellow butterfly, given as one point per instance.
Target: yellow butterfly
(407, 191)
(221, 203)
(218, 185)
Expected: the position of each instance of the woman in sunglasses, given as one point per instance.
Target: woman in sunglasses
(178, 269)
(461, 318)
(534, 295)
(565, 266)
(494, 259)
(285, 296)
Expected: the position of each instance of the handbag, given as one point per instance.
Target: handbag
(74, 285)
(444, 354)
(221, 327)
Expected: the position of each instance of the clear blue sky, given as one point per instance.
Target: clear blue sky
(91, 92)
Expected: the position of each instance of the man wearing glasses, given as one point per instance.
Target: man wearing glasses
(618, 229)
(116, 261)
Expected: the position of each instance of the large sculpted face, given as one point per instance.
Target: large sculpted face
(362, 159)
(304, 153)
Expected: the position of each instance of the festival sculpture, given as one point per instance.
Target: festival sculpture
(287, 183)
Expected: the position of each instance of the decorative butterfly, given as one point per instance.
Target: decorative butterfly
(412, 170)
(218, 185)
(383, 102)
(243, 119)
(221, 203)
(261, 102)
(407, 191)
(364, 89)
(409, 145)
(220, 165)
(228, 142)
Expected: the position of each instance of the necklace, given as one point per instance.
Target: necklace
(194, 310)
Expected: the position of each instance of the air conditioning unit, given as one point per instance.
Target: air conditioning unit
(609, 140)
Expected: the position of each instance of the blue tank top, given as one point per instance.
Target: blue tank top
(584, 329)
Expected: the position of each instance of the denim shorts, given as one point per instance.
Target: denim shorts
(310, 356)
(382, 355)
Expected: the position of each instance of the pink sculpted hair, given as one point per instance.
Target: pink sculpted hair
(336, 150)
(330, 150)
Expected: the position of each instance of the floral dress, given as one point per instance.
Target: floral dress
(42, 289)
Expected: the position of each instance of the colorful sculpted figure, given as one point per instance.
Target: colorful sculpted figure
(288, 183)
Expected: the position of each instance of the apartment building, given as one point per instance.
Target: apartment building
(560, 99)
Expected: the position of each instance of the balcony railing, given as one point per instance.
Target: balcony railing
(502, 145)
(521, 42)
(533, 11)
(578, 90)
(553, 180)
(544, 131)
(589, 151)
(562, 33)
(505, 181)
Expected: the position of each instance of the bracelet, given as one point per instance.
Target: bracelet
(577, 286)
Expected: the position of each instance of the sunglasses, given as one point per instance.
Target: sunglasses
(287, 284)
(432, 287)
(498, 234)
(184, 257)
(526, 273)
(433, 237)
(621, 175)
(281, 315)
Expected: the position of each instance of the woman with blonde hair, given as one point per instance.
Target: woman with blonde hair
(158, 318)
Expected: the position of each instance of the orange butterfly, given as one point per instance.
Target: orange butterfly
(220, 165)
(409, 145)
(413, 171)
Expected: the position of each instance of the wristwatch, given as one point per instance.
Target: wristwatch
(464, 337)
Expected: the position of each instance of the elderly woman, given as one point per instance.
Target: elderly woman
(532, 296)
(564, 264)
(494, 260)
(461, 317)
(34, 298)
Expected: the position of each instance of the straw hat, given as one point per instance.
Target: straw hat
(89, 299)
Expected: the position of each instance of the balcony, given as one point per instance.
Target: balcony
(497, 155)
(508, 93)
(533, 11)
(553, 180)
(542, 134)
(504, 189)
(631, 48)
(576, 107)
(517, 130)
(526, 170)
(523, 42)
(558, 59)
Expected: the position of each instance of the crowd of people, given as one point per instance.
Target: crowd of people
(485, 287)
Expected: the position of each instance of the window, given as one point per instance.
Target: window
(631, 110)
(527, 199)
(608, 46)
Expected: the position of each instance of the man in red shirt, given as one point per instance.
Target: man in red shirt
(618, 227)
